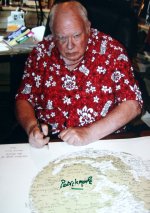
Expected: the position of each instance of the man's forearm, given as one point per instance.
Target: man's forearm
(25, 115)
(119, 117)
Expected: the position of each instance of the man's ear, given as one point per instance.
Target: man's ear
(88, 27)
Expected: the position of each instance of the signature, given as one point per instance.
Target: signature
(76, 183)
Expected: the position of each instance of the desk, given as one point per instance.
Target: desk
(19, 49)
(20, 164)
(16, 58)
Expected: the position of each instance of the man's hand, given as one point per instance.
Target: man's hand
(37, 138)
(77, 136)
(118, 117)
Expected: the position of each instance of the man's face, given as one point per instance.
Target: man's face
(71, 35)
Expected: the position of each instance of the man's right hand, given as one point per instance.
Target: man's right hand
(37, 138)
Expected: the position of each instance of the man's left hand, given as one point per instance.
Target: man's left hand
(77, 136)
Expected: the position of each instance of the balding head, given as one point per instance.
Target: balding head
(67, 9)
(71, 29)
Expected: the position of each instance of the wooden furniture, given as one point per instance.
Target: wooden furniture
(31, 16)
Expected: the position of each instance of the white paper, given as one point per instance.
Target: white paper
(20, 163)
(136, 146)
(16, 173)
(146, 118)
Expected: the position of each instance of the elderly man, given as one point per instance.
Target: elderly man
(78, 80)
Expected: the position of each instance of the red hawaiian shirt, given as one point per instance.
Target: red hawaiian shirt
(64, 98)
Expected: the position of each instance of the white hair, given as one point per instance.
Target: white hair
(75, 5)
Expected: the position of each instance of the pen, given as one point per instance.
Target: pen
(39, 126)
(49, 129)
(53, 133)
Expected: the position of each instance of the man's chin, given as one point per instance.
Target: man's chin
(73, 58)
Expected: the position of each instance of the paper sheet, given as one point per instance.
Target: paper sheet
(136, 146)
(16, 173)
(20, 163)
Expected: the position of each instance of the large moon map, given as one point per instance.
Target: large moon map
(92, 181)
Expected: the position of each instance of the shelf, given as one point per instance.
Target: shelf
(31, 16)
(31, 9)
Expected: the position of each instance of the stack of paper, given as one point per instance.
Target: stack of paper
(18, 37)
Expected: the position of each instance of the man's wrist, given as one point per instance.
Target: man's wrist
(32, 126)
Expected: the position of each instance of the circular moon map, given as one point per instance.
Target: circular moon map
(92, 181)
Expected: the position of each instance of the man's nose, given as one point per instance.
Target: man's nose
(70, 43)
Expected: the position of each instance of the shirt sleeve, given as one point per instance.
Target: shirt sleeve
(30, 86)
(126, 86)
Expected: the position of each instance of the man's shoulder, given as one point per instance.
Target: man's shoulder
(105, 38)
(96, 34)
(105, 43)
(46, 42)
(45, 46)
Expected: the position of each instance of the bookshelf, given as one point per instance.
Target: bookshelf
(24, 8)
(31, 14)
